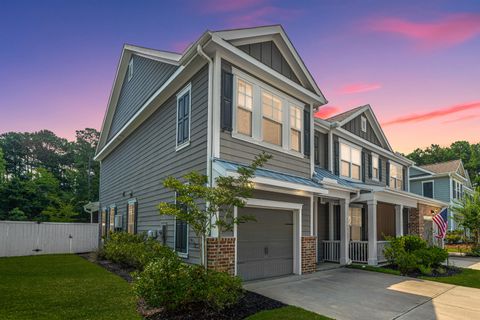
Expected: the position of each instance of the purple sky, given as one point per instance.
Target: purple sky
(418, 65)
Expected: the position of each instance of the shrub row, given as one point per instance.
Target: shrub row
(412, 254)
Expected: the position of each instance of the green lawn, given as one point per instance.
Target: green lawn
(467, 278)
(62, 287)
(287, 313)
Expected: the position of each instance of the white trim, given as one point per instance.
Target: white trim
(130, 69)
(273, 204)
(352, 146)
(433, 188)
(363, 123)
(184, 91)
(377, 178)
(312, 222)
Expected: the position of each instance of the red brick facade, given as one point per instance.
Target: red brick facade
(416, 220)
(309, 254)
(221, 254)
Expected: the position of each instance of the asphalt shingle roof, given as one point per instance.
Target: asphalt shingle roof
(442, 167)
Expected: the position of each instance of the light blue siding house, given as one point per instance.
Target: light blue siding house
(445, 181)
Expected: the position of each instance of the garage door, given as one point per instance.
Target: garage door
(265, 246)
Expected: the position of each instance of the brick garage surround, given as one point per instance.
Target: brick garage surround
(221, 254)
(309, 254)
(416, 222)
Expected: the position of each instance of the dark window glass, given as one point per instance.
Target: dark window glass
(428, 189)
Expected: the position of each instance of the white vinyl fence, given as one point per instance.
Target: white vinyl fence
(25, 238)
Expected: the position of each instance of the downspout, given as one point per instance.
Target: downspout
(209, 136)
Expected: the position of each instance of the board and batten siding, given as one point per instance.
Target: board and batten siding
(146, 157)
(355, 127)
(148, 76)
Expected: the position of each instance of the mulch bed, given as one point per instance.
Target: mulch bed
(449, 271)
(248, 305)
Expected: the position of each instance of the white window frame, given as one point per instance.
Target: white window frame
(135, 203)
(458, 193)
(180, 254)
(363, 123)
(351, 146)
(376, 156)
(433, 188)
(184, 144)
(396, 179)
(130, 69)
(257, 114)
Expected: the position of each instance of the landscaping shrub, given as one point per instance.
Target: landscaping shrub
(133, 250)
(411, 254)
(454, 237)
(169, 283)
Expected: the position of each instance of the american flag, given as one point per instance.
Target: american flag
(441, 220)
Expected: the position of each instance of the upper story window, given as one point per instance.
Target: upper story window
(183, 118)
(427, 187)
(457, 189)
(375, 167)
(130, 69)
(396, 176)
(364, 124)
(272, 118)
(350, 161)
(266, 116)
(244, 107)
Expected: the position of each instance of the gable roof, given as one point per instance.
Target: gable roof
(344, 117)
(443, 167)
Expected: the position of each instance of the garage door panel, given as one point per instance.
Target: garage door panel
(265, 246)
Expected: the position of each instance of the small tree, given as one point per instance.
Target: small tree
(467, 214)
(206, 207)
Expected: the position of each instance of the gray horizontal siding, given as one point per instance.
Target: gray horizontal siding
(441, 188)
(148, 76)
(146, 157)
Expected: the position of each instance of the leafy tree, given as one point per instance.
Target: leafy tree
(206, 207)
(17, 215)
(2, 166)
(467, 214)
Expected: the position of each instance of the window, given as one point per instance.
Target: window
(272, 118)
(364, 124)
(295, 128)
(427, 189)
(181, 236)
(396, 176)
(183, 118)
(350, 161)
(355, 222)
(104, 221)
(457, 189)
(130, 69)
(132, 216)
(244, 107)
(265, 116)
(316, 149)
(111, 218)
(375, 167)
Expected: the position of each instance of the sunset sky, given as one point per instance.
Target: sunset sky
(417, 65)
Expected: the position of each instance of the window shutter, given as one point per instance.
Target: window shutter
(405, 178)
(227, 105)
(380, 168)
(136, 218)
(306, 131)
(363, 166)
(364, 224)
(387, 175)
(336, 159)
(370, 166)
(126, 218)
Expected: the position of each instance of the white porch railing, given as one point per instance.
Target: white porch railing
(380, 247)
(331, 250)
(359, 251)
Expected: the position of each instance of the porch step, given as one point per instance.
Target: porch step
(324, 266)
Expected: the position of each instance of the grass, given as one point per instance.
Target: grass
(62, 287)
(376, 269)
(287, 313)
(467, 278)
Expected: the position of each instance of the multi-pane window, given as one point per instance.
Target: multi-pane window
(111, 218)
(396, 176)
(130, 69)
(244, 107)
(272, 118)
(375, 167)
(181, 232)
(131, 216)
(183, 118)
(350, 161)
(457, 189)
(295, 128)
(355, 224)
(428, 189)
(104, 221)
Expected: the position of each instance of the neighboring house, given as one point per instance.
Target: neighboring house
(332, 191)
(445, 181)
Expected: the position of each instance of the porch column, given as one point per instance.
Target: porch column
(344, 232)
(399, 220)
(372, 232)
(331, 221)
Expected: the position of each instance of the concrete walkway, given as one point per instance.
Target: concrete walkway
(356, 294)
(465, 262)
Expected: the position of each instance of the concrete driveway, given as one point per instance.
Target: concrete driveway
(356, 294)
(465, 262)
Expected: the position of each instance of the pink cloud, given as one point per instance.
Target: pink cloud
(418, 117)
(229, 6)
(464, 118)
(451, 30)
(326, 112)
(262, 16)
(359, 87)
